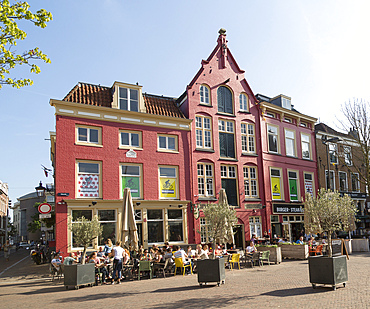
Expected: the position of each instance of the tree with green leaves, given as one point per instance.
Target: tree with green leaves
(328, 212)
(84, 232)
(10, 34)
(220, 219)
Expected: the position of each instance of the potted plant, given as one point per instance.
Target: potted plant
(220, 219)
(84, 233)
(328, 212)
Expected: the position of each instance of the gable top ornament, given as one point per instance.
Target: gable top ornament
(223, 45)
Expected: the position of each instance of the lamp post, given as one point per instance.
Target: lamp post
(40, 190)
(326, 142)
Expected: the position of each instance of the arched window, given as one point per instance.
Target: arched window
(204, 94)
(224, 100)
(243, 100)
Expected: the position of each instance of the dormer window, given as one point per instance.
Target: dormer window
(286, 103)
(128, 99)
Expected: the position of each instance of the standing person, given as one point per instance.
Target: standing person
(117, 262)
(7, 250)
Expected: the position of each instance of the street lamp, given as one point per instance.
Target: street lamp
(326, 142)
(40, 190)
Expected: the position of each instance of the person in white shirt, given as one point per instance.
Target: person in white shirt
(201, 254)
(251, 248)
(118, 253)
(56, 261)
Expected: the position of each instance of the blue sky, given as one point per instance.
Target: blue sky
(316, 52)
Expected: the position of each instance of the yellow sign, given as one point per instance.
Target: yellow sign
(275, 186)
(168, 187)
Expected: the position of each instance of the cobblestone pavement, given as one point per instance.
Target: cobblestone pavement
(276, 286)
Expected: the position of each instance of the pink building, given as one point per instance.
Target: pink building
(109, 138)
(289, 164)
(225, 143)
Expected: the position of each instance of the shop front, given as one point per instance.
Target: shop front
(157, 221)
(287, 220)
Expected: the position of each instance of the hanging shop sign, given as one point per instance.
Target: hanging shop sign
(288, 208)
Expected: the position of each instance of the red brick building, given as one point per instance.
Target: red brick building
(109, 138)
(225, 143)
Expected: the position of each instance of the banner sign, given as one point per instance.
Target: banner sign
(308, 187)
(133, 183)
(88, 185)
(275, 184)
(293, 189)
(168, 188)
(288, 209)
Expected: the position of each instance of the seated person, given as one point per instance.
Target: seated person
(169, 255)
(266, 236)
(190, 252)
(56, 261)
(218, 251)
(254, 239)
(200, 253)
(153, 250)
(300, 241)
(100, 253)
(205, 248)
(146, 256)
(312, 242)
(158, 256)
(181, 254)
(70, 259)
(99, 266)
(250, 248)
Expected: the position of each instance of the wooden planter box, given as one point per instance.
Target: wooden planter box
(211, 270)
(78, 274)
(298, 252)
(326, 270)
(360, 245)
(275, 253)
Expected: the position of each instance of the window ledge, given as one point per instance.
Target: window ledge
(244, 112)
(225, 114)
(256, 199)
(293, 157)
(88, 144)
(168, 151)
(229, 159)
(204, 149)
(205, 104)
(129, 148)
(249, 154)
(275, 153)
(207, 198)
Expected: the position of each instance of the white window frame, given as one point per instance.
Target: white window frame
(176, 220)
(204, 238)
(357, 179)
(139, 176)
(156, 220)
(114, 221)
(72, 222)
(128, 98)
(273, 134)
(345, 189)
(333, 153)
(244, 102)
(176, 178)
(290, 140)
(205, 173)
(130, 133)
(347, 152)
(306, 143)
(332, 173)
(166, 148)
(286, 103)
(250, 174)
(204, 94)
(309, 181)
(281, 183)
(88, 129)
(78, 175)
(255, 226)
(203, 131)
(248, 137)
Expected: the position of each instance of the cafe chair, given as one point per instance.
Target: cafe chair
(145, 266)
(163, 267)
(234, 260)
(179, 264)
(315, 251)
(265, 256)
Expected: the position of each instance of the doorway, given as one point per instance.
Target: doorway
(140, 233)
(239, 238)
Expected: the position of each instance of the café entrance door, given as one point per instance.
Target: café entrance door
(239, 237)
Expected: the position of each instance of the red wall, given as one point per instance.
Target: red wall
(67, 152)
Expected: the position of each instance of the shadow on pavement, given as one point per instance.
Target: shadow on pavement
(217, 302)
(184, 288)
(296, 291)
(96, 296)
